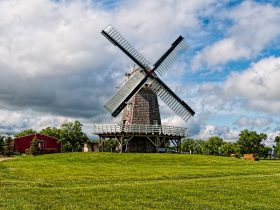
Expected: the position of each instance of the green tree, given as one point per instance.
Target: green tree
(8, 148)
(52, 131)
(109, 145)
(212, 146)
(227, 149)
(188, 145)
(2, 143)
(277, 139)
(193, 146)
(198, 146)
(72, 137)
(277, 146)
(26, 132)
(265, 152)
(34, 147)
(251, 142)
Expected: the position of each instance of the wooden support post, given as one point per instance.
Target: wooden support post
(99, 143)
(162, 141)
(121, 149)
(126, 149)
(157, 144)
(103, 142)
(126, 143)
(179, 145)
(118, 143)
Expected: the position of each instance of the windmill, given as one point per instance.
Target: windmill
(140, 93)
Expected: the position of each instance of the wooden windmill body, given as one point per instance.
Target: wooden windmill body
(140, 129)
(142, 109)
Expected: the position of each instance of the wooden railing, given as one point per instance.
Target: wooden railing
(139, 129)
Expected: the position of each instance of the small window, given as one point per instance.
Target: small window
(129, 106)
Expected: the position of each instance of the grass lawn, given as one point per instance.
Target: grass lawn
(138, 181)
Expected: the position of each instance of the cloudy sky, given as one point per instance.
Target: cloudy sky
(56, 66)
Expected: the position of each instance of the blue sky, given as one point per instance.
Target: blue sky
(56, 66)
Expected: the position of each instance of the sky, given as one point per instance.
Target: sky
(57, 67)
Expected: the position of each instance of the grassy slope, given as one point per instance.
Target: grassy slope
(138, 181)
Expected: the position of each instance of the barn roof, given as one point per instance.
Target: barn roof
(37, 136)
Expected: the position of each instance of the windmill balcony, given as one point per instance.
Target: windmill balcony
(139, 129)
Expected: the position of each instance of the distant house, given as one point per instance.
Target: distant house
(91, 147)
(47, 144)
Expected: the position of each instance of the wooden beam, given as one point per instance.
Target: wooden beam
(121, 150)
(152, 141)
(127, 141)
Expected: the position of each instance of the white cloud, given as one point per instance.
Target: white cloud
(43, 37)
(174, 121)
(258, 85)
(15, 121)
(224, 132)
(152, 25)
(271, 138)
(249, 91)
(219, 53)
(253, 28)
(243, 93)
(253, 122)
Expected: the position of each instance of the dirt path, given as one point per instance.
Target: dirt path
(5, 158)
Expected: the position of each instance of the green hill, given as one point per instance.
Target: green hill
(138, 181)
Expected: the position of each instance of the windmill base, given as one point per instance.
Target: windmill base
(139, 138)
(140, 144)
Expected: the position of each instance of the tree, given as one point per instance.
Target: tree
(52, 131)
(2, 143)
(229, 148)
(265, 152)
(8, 148)
(72, 137)
(198, 146)
(277, 139)
(34, 147)
(277, 146)
(109, 145)
(26, 132)
(188, 145)
(212, 146)
(251, 142)
(193, 146)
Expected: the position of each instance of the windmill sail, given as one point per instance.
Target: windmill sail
(119, 100)
(117, 39)
(171, 99)
(168, 59)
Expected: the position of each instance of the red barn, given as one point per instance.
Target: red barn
(47, 144)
